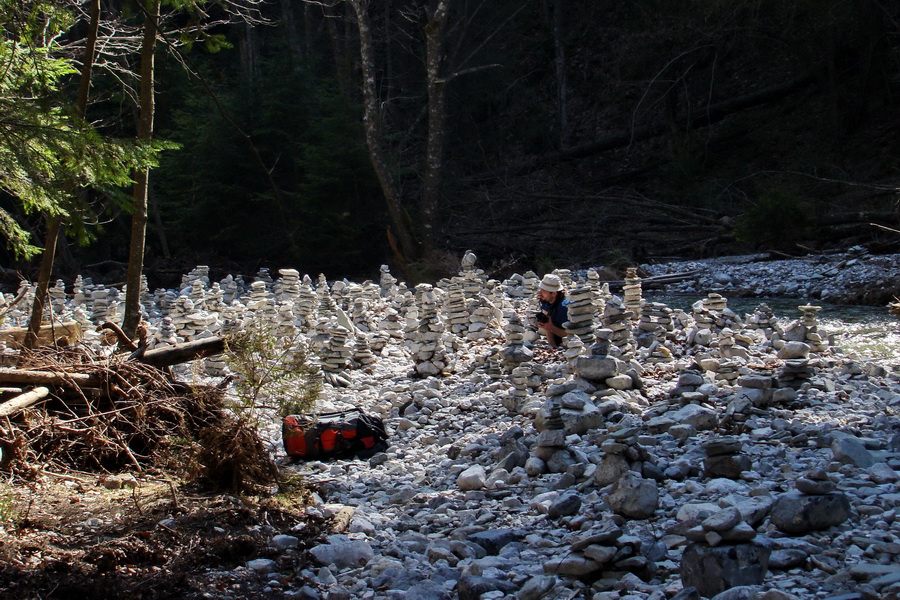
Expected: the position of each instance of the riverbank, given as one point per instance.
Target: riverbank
(851, 277)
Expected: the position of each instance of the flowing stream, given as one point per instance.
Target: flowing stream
(867, 331)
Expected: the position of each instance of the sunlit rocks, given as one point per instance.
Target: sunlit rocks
(335, 356)
(387, 281)
(259, 295)
(101, 301)
(166, 334)
(287, 287)
(573, 348)
(458, 313)
(632, 293)
(285, 325)
(565, 276)
(425, 340)
(305, 303)
(362, 352)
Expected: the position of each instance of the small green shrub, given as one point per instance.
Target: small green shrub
(9, 511)
(271, 372)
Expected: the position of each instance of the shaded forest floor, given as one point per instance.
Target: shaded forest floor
(70, 536)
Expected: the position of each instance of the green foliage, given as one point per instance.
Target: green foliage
(45, 152)
(776, 218)
(9, 511)
(271, 372)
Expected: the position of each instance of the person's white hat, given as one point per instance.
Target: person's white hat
(551, 283)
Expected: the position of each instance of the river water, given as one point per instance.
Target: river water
(869, 332)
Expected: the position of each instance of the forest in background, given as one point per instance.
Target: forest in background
(537, 133)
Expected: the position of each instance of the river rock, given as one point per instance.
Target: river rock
(714, 570)
(634, 497)
(797, 513)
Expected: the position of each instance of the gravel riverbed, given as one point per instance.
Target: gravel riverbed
(722, 456)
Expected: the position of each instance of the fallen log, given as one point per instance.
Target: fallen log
(56, 378)
(23, 401)
(179, 353)
(657, 280)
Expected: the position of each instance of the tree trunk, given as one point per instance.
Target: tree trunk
(561, 82)
(142, 177)
(437, 130)
(54, 223)
(402, 228)
(172, 355)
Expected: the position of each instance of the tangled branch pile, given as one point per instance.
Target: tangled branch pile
(111, 414)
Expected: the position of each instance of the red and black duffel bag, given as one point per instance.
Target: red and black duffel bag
(347, 433)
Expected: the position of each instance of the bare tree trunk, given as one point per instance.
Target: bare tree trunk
(375, 136)
(561, 83)
(437, 130)
(54, 224)
(142, 177)
(289, 22)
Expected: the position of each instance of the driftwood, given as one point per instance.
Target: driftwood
(657, 280)
(53, 378)
(23, 401)
(179, 353)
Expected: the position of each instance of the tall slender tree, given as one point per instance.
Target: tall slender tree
(132, 315)
(54, 223)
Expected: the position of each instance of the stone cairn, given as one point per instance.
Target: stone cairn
(166, 334)
(457, 312)
(565, 275)
(622, 452)
(515, 353)
(811, 324)
(425, 345)
(551, 453)
(813, 506)
(656, 318)
(102, 305)
(794, 345)
(617, 319)
(362, 352)
(763, 319)
(387, 282)
(287, 288)
(797, 368)
(724, 458)
(723, 554)
(215, 297)
(493, 364)
(580, 313)
(305, 303)
(335, 356)
(574, 348)
(264, 276)
(258, 296)
(232, 288)
(603, 554)
(327, 307)
(633, 295)
(517, 397)
(196, 292)
(57, 295)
